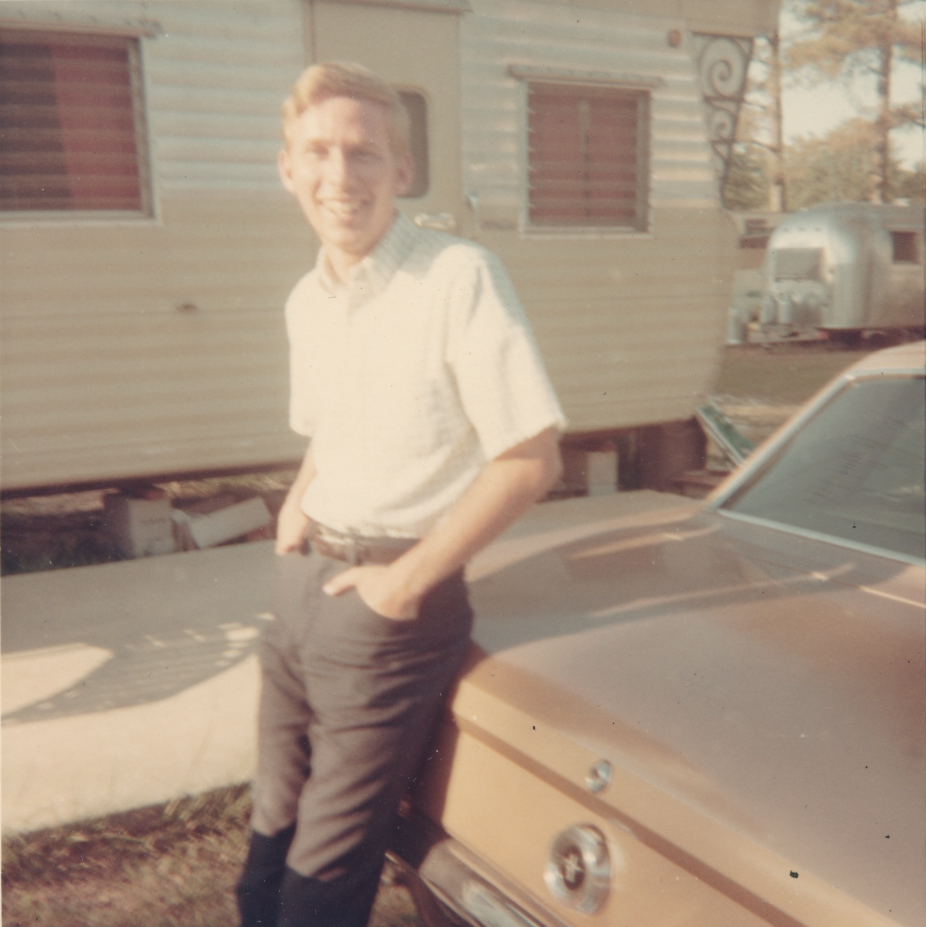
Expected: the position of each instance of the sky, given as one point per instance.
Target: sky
(815, 111)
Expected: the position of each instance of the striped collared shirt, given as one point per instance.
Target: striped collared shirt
(409, 378)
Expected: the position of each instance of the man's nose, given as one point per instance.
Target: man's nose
(339, 168)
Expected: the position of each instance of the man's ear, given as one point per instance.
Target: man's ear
(285, 167)
(405, 174)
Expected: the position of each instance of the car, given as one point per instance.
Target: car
(707, 715)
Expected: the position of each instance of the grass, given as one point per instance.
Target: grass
(784, 374)
(171, 865)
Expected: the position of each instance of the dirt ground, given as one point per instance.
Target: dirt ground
(175, 866)
(760, 388)
(169, 866)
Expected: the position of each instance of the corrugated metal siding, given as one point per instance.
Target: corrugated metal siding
(630, 325)
(103, 375)
(502, 33)
(104, 378)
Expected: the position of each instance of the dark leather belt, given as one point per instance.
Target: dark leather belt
(357, 549)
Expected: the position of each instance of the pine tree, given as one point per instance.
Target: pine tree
(837, 167)
(848, 38)
(747, 185)
(756, 175)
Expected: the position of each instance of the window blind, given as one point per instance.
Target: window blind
(586, 156)
(69, 135)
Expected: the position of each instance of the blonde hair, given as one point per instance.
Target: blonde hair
(347, 79)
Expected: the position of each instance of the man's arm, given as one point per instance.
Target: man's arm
(505, 489)
(292, 522)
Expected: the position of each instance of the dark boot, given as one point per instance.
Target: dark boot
(344, 902)
(259, 887)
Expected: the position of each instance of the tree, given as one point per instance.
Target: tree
(779, 188)
(908, 185)
(755, 174)
(747, 184)
(847, 38)
(837, 167)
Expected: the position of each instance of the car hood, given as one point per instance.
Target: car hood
(769, 688)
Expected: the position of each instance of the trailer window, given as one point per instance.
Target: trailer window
(905, 250)
(73, 130)
(798, 263)
(417, 108)
(587, 156)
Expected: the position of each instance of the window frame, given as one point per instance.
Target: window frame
(905, 247)
(120, 36)
(421, 186)
(594, 84)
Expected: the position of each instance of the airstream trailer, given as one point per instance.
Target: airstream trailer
(844, 269)
(143, 280)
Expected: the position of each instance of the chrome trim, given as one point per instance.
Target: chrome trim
(578, 869)
(437, 222)
(598, 776)
(828, 538)
(490, 909)
(475, 893)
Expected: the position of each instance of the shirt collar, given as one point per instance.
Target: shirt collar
(370, 276)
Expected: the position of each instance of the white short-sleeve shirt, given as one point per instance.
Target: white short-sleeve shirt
(409, 379)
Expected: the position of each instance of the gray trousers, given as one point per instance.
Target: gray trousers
(348, 700)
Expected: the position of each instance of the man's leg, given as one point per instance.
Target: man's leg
(283, 753)
(260, 886)
(375, 687)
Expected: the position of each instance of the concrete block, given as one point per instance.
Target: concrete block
(590, 471)
(140, 525)
(601, 470)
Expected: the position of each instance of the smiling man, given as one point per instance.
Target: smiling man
(432, 427)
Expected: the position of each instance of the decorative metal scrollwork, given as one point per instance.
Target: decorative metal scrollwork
(723, 62)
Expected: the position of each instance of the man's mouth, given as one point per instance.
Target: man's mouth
(343, 209)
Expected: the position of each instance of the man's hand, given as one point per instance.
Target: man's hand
(505, 489)
(292, 522)
(377, 587)
(292, 525)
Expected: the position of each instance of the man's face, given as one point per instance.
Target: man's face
(340, 165)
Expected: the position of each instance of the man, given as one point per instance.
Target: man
(433, 427)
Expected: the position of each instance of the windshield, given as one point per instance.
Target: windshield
(855, 471)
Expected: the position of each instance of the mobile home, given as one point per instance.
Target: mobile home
(147, 247)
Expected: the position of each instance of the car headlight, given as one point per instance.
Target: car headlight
(578, 869)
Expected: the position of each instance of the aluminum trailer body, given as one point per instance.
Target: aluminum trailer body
(846, 268)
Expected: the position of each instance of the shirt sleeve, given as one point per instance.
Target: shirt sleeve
(503, 384)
